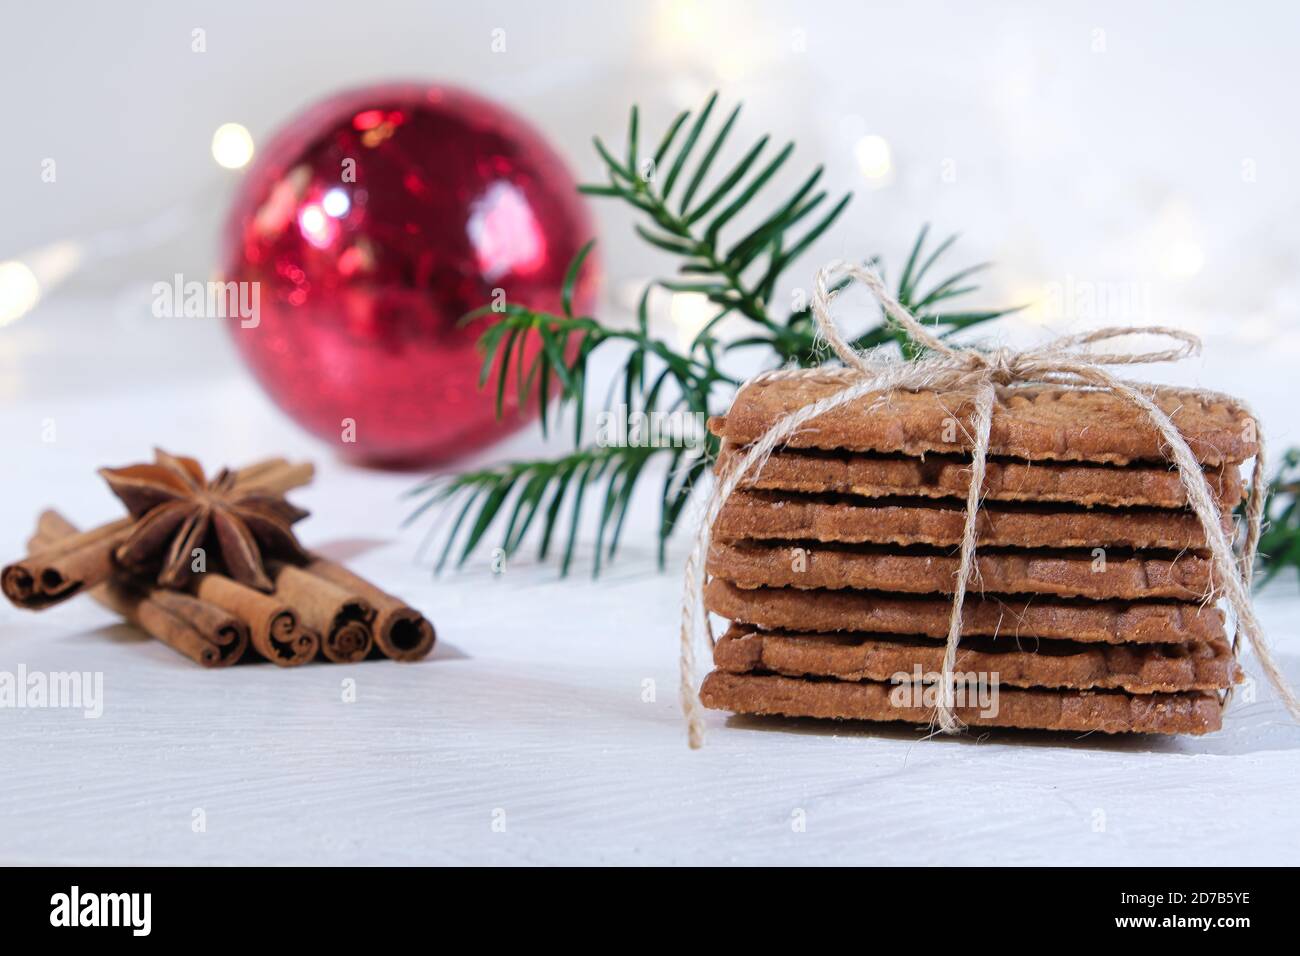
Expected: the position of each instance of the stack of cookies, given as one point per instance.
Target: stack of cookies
(1092, 606)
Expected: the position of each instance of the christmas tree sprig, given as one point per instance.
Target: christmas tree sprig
(691, 211)
(1279, 545)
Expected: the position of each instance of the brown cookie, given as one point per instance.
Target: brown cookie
(1091, 622)
(752, 564)
(947, 476)
(906, 521)
(1140, 669)
(1110, 712)
(1034, 423)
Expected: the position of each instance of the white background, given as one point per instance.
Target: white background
(1144, 153)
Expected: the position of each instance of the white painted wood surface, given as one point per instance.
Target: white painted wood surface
(531, 710)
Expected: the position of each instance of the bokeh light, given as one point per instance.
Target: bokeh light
(19, 291)
(874, 157)
(1182, 259)
(232, 146)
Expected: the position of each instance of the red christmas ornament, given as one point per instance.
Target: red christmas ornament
(373, 223)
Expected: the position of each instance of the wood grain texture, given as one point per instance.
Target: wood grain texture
(535, 702)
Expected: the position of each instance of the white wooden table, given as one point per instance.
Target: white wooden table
(544, 729)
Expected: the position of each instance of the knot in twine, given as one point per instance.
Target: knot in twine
(1067, 361)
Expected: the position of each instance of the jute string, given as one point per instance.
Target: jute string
(1067, 361)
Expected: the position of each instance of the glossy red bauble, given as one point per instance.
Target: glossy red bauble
(372, 225)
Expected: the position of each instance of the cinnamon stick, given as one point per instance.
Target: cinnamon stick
(275, 475)
(80, 562)
(340, 616)
(401, 632)
(68, 565)
(274, 628)
(202, 632)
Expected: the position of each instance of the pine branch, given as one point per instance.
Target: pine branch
(693, 230)
(802, 346)
(559, 336)
(1279, 546)
(525, 491)
(689, 202)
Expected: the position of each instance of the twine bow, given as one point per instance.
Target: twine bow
(1067, 361)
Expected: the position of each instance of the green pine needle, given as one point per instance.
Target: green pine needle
(546, 355)
(526, 492)
(1279, 545)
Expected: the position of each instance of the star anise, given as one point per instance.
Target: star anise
(176, 510)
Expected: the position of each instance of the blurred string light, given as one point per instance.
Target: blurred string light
(232, 146)
(875, 159)
(681, 20)
(24, 281)
(19, 290)
(1182, 259)
(29, 278)
(1032, 302)
(1174, 248)
(704, 35)
(690, 312)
